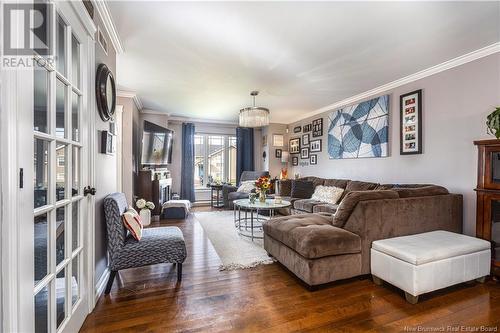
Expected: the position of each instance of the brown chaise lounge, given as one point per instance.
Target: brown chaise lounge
(324, 247)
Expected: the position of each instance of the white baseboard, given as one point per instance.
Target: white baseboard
(101, 284)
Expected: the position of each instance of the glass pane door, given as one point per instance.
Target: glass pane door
(57, 174)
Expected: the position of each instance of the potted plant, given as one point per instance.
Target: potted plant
(145, 210)
(493, 123)
(263, 184)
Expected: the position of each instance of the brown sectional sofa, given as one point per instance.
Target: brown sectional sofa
(322, 247)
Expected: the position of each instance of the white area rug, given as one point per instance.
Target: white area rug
(235, 251)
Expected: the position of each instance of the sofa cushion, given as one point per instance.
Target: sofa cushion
(306, 205)
(312, 235)
(325, 208)
(340, 183)
(302, 189)
(355, 185)
(352, 198)
(315, 180)
(285, 187)
(424, 191)
(237, 195)
(327, 194)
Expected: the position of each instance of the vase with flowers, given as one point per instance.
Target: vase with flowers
(263, 184)
(145, 210)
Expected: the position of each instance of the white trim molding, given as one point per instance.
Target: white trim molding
(133, 95)
(84, 17)
(101, 284)
(148, 111)
(109, 25)
(181, 119)
(458, 61)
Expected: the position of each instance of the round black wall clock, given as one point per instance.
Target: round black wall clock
(105, 92)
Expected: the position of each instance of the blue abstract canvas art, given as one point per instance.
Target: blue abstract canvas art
(360, 130)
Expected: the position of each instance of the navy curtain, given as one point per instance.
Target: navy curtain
(244, 151)
(187, 171)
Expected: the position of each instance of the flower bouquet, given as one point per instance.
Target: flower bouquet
(145, 210)
(263, 184)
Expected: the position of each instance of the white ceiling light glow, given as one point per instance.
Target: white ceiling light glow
(254, 116)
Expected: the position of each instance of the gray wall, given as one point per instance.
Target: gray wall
(455, 105)
(130, 146)
(105, 165)
(271, 163)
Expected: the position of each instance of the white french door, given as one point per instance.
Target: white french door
(54, 154)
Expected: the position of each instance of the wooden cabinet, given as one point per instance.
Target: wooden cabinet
(153, 188)
(488, 198)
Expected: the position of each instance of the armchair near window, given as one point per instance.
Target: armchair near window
(229, 193)
(157, 245)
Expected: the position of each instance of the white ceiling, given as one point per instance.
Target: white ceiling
(202, 60)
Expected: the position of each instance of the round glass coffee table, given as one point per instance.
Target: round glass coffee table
(247, 218)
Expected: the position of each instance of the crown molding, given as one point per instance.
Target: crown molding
(222, 123)
(131, 94)
(458, 61)
(148, 111)
(109, 25)
(84, 17)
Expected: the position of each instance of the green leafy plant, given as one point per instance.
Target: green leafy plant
(493, 123)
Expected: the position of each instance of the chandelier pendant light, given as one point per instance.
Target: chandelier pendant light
(254, 116)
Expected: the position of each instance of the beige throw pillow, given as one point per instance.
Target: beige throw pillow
(247, 186)
(328, 194)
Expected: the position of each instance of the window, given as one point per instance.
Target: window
(214, 159)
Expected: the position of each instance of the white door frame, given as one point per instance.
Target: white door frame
(11, 245)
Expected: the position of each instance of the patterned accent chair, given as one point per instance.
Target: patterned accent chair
(157, 245)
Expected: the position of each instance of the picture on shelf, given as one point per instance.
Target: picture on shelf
(305, 140)
(304, 153)
(278, 153)
(411, 123)
(295, 160)
(294, 146)
(316, 146)
(314, 159)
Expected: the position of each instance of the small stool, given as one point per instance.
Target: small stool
(425, 262)
(175, 209)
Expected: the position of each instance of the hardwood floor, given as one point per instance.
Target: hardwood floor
(269, 299)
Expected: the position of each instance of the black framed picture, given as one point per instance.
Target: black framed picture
(315, 146)
(294, 146)
(307, 128)
(277, 153)
(295, 160)
(305, 140)
(317, 128)
(411, 123)
(108, 143)
(297, 129)
(304, 153)
(314, 159)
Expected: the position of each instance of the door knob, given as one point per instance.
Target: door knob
(89, 190)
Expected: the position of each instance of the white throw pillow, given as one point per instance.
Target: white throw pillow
(247, 186)
(328, 194)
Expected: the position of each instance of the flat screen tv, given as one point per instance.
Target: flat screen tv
(156, 145)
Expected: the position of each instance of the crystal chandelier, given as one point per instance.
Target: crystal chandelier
(254, 116)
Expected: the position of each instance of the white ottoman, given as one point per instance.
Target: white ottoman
(429, 261)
